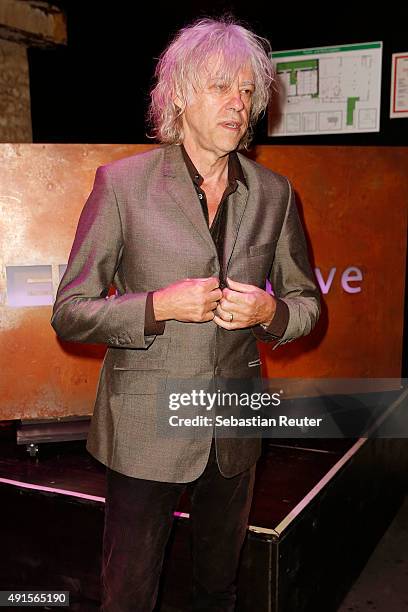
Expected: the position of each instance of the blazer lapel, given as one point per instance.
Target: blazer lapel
(236, 209)
(180, 187)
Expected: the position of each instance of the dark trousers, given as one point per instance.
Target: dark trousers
(138, 520)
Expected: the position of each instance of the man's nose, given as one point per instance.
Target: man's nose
(235, 102)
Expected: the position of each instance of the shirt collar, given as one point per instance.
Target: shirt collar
(235, 172)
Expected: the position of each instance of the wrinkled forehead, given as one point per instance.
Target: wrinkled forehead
(224, 67)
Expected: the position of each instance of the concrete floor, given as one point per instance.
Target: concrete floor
(383, 583)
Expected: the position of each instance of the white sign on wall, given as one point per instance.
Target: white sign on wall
(327, 90)
(399, 86)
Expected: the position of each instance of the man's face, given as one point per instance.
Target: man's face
(217, 115)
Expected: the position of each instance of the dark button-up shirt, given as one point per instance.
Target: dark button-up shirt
(217, 229)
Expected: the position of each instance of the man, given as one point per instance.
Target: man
(188, 234)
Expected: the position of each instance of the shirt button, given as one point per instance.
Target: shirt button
(200, 195)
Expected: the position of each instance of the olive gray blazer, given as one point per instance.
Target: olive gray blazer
(142, 228)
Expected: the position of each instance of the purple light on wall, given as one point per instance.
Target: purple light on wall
(29, 286)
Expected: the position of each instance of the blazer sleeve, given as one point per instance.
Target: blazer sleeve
(83, 311)
(292, 279)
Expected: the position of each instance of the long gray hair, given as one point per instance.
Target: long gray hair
(181, 64)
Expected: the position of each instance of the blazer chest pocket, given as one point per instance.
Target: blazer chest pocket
(141, 371)
(262, 249)
(259, 262)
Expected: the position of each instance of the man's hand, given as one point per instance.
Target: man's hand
(191, 300)
(247, 304)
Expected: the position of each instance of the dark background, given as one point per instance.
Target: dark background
(96, 89)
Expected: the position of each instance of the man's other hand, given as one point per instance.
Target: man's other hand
(191, 300)
(248, 305)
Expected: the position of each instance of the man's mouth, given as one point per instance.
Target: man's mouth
(231, 125)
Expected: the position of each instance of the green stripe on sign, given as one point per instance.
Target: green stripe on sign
(319, 50)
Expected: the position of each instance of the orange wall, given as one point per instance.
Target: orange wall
(354, 204)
